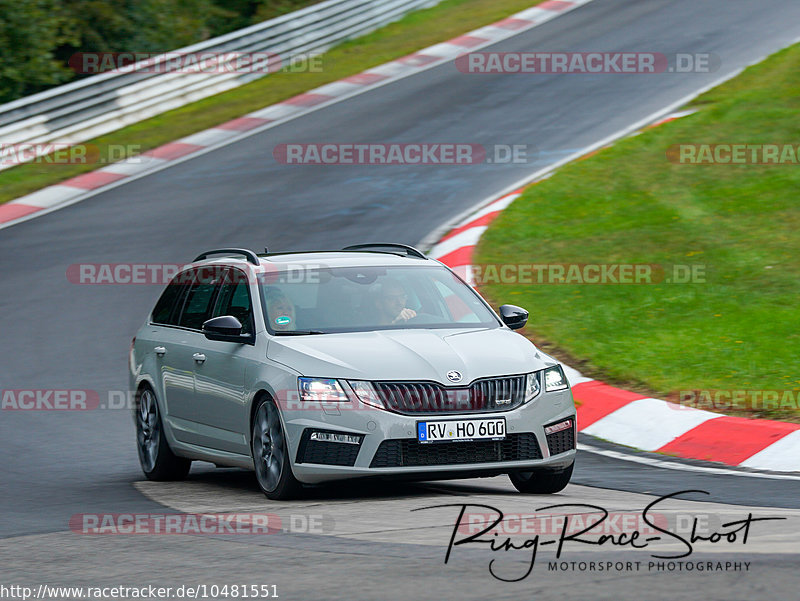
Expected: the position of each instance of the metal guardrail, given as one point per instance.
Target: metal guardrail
(96, 105)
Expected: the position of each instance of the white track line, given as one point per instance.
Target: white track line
(683, 467)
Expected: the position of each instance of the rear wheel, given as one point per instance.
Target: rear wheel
(271, 454)
(156, 458)
(542, 481)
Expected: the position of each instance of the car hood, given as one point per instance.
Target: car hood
(410, 354)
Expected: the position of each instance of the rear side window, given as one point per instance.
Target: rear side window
(168, 307)
(199, 302)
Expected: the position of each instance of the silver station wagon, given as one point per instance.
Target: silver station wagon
(374, 360)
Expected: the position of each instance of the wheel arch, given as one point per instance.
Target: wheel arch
(143, 383)
(261, 393)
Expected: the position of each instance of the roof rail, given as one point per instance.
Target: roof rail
(389, 247)
(248, 254)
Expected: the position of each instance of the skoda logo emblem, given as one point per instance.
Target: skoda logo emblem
(454, 376)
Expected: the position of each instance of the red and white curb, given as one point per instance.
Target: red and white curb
(83, 186)
(631, 419)
(672, 117)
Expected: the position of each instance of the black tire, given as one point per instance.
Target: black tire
(270, 454)
(158, 461)
(542, 481)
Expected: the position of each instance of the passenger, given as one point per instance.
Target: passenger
(391, 304)
(280, 311)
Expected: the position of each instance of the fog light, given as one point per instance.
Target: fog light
(566, 424)
(332, 437)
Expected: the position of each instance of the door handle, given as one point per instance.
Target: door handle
(160, 351)
(199, 357)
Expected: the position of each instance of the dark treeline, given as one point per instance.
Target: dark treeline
(37, 37)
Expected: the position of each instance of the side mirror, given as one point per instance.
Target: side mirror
(513, 317)
(225, 328)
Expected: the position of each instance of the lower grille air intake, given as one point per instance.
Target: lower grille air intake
(408, 452)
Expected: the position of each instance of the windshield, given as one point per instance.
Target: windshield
(323, 300)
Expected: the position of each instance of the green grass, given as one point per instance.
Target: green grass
(415, 31)
(629, 204)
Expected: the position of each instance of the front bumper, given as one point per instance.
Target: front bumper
(388, 446)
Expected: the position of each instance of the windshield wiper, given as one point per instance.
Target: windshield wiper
(298, 332)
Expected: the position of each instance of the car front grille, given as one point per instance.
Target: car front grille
(490, 394)
(408, 452)
(563, 441)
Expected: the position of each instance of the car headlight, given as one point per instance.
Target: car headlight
(554, 379)
(321, 389)
(365, 393)
(532, 386)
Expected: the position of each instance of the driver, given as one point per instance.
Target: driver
(392, 303)
(280, 311)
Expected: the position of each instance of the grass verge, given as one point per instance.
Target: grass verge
(739, 330)
(415, 31)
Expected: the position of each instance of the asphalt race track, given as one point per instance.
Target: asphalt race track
(55, 334)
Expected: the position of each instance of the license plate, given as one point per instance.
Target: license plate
(461, 430)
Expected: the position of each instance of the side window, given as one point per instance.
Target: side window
(199, 299)
(234, 299)
(168, 307)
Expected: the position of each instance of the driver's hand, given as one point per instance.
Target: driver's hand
(405, 315)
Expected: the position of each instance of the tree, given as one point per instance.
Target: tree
(30, 30)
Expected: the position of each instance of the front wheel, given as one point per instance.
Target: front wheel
(543, 481)
(156, 458)
(271, 454)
